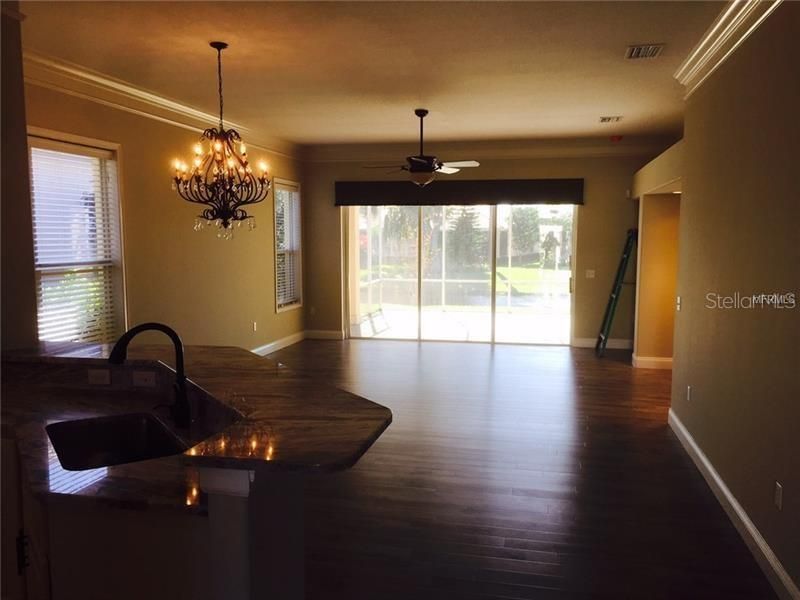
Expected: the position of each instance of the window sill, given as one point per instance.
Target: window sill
(288, 307)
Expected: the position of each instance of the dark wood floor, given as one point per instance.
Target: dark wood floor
(514, 472)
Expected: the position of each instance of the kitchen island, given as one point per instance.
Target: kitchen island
(235, 496)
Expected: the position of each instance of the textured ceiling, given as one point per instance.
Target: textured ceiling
(340, 72)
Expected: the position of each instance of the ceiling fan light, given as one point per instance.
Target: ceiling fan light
(421, 178)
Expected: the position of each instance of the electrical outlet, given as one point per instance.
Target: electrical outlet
(144, 379)
(313, 310)
(678, 304)
(255, 326)
(589, 273)
(688, 393)
(778, 495)
(99, 377)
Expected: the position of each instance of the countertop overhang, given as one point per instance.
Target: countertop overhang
(291, 423)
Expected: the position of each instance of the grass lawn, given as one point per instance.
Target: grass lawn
(528, 280)
(525, 280)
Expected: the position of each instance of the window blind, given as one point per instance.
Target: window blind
(288, 259)
(76, 242)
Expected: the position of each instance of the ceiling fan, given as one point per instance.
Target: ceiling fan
(422, 169)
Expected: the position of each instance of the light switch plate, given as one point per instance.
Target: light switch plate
(143, 379)
(778, 495)
(589, 273)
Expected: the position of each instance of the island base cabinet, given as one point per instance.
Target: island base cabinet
(13, 573)
(97, 553)
(248, 545)
(277, 542)
(25, 548)
(257, 534)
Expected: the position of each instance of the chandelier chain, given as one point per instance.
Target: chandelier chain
(219, 79)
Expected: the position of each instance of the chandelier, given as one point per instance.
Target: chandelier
(220, 177)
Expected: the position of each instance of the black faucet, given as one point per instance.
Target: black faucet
(179, 410)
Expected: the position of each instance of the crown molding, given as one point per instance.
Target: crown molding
(523, 149)
(76, 80)
(733, 26)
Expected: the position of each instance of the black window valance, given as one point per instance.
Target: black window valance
(439, 192)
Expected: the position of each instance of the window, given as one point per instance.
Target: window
(288, 259)
(76, 242)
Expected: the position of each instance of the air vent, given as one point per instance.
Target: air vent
(613, 119)
(644, 51)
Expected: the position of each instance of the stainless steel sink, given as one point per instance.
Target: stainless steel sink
(105, 441)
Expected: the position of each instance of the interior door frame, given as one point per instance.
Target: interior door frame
(573, 273)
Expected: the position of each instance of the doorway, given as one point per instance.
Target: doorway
(657, 278)
(475, 273)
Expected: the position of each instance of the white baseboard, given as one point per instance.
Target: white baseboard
(321, 334)
(652, 362)
(310, 334)
(613, 343)
(279, 344)
(765, 557)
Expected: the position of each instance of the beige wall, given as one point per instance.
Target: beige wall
(659, 173)
(659, 216)
(209, 290)
(18, 291)
(740, 217)
(602, 224)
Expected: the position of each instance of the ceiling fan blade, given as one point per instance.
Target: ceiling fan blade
(461, 164)
(417, 159)
(447, 170)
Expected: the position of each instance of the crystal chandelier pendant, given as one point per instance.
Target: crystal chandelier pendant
(220, 177)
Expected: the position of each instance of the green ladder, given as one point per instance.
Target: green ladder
(608, 317)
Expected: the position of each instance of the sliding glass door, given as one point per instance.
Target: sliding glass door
(383, 277)
(457, 273)
(461, 273)
(534, 266)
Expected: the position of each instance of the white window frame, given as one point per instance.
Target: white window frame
(293, 186)
(40, 137)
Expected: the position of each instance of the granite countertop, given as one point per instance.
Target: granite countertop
(283, 422)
